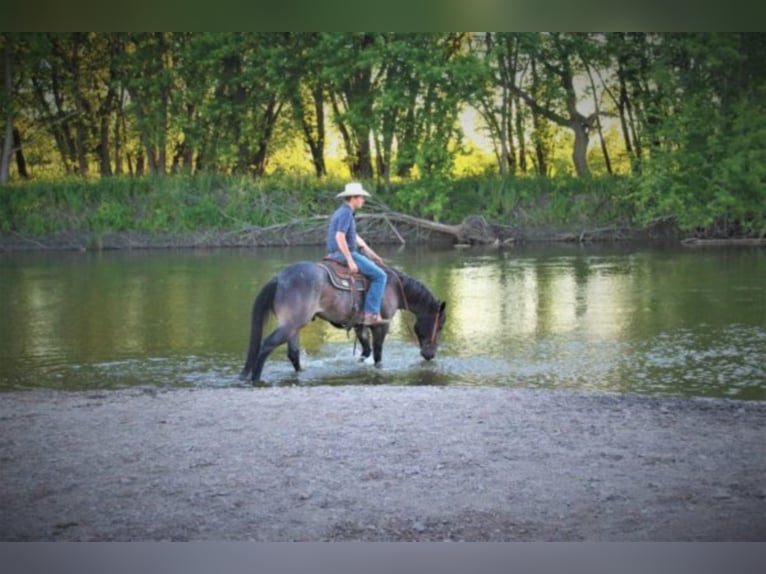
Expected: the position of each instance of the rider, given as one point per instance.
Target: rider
(344, 244)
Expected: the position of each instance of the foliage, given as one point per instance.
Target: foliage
(171, 204)
(184, 203)
(674, 123)
(707, 168)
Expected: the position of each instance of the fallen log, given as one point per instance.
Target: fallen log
(381, 227)
(473, 230)
(741, 242)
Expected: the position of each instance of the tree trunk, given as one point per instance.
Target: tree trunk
(103, 146)
(8, 137)
(317, 152)
(82, 148)
(81, 104)
(509, 68)
(623, 111)
(361, 167)
(21, 163)
(504, 105)
(520, 134)
(580, 150)
(405, 157)
(7, 144)
(59, 121)
(627, 122)
(577, 122)
(537, 122)
(597, 107)
(106, 109)
(316, 144)
(167, 64)
(259, 159)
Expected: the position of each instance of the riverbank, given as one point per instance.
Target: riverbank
(378, 231)
(217, 211)
(379, 463)
(212, 210)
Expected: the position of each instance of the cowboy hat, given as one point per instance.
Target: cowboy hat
(352, 190)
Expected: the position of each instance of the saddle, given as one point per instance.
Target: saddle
(342, 279)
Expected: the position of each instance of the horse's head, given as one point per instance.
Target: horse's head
(428, 328)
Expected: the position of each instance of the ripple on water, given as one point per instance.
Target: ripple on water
(728, 362)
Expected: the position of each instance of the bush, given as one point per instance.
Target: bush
(185, 203)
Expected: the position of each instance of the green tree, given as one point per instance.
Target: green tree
(706, 167)
(247, 77)
(424, 81)
(497, 102)
(62, 74)
(629, 53)
(351, 61)
(150, 78)
(307, 92)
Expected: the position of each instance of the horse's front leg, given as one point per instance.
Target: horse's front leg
(379, 333)
(363, 335)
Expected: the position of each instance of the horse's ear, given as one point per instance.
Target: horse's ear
(444, 304)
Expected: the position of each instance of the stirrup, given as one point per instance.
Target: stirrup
(372, 319)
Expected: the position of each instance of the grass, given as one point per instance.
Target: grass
(183, 203)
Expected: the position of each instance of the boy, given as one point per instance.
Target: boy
(344, 244)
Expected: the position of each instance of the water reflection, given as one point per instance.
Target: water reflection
(678, 322)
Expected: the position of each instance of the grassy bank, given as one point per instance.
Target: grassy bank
(180, 204)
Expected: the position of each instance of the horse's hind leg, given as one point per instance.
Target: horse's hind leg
(293, 352)
(280, 335)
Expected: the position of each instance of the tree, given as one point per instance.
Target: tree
(149, 66)
(628, 52)
(541, 71)
(502, 117)
(246, 78)
(49, 76)
(706, 132)
(425, 79)
(594, 56)
(350, 60)
(307, 92)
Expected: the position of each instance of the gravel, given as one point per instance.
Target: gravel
(379, 464)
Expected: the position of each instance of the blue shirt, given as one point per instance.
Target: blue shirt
(342, 220)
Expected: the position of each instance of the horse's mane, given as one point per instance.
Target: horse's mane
(414, 289)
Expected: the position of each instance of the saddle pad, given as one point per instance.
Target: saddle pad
(340, 277)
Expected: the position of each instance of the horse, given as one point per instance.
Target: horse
(303, 291)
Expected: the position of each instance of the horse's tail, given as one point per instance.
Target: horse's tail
(262, 306)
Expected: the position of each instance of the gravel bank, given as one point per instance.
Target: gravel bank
(379, 463)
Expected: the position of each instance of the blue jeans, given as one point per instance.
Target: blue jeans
(376, 276)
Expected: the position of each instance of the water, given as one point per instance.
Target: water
(679, 322)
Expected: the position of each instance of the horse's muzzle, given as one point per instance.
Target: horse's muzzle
(428, 352)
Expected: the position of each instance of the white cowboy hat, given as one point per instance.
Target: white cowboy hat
(353, 189)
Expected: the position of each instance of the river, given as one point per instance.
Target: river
(624, 319)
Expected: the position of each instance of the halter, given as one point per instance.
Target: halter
(435, 328)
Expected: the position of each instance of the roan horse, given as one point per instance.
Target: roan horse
(303, 291)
